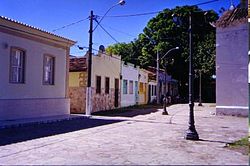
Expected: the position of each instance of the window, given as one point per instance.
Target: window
(131, 88)
(98, 84)
(125, 87)
(136, 87)
(107, 85)
(155, 90)
(17, 65)
(49, 70)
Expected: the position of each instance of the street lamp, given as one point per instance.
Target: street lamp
(165, 112)
(89, 89)
(200, 103)
(191, 133)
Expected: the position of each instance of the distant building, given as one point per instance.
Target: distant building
(33, 72)
(143, 86)
(168, 82)
(232, 46)
(129, 84)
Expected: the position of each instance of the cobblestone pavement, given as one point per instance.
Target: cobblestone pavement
(144, 139)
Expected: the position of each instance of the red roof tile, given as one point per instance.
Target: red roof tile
(233, 18)
(78, 64)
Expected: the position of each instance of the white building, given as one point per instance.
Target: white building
(129, 84)
(33, 72)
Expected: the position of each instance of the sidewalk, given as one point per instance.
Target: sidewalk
(149, 139)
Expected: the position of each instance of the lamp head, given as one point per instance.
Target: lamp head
(177, 48)
(122, 2)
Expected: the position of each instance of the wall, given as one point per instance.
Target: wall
(77, 79)
(143, 80)
(231, 70)
(105, 66)
(129, 73)
(152, 92)
(33, 87)
(77, 91)
(32, 99)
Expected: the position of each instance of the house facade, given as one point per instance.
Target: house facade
(232, 63)
(106, 82)
(77, 84)
(129, 84)
(34, 72)
(143, 86)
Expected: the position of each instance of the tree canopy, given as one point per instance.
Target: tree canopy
(169, 29)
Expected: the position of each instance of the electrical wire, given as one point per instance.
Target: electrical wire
(71, 24)
(119, 31)
(106, 31)
(136, 15)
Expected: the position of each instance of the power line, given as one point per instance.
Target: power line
(136, 15)
(204, 3)
(106, 31)
(156, 12)
(68, 25)
(119, 31)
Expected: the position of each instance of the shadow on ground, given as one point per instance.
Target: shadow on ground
(127, 112)
(34, 131)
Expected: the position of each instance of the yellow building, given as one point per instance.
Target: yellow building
(77, 84)
(143, 86)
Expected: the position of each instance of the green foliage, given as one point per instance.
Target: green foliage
(163, 33)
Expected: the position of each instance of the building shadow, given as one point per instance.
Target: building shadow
(126, 112)
(34, 131)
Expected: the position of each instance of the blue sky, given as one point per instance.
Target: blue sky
(52, 14)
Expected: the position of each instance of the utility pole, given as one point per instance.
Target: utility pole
(157, 78)
(89, 89)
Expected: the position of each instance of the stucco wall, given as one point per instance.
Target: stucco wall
(231, 70)
(77, 79)
(143, 78)
(33, 87)
(33, 108)
(77, 99)
(105, 66)
(129, 73)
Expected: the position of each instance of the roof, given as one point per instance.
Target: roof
(33, 28)
(233, 17)
(78, 64)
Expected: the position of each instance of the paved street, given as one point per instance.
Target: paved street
(151, 138)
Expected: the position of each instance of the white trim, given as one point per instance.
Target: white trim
(232, 107)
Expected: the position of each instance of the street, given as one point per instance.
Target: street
(151, 138)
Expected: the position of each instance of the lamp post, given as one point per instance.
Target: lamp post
(165, 112)
(191, 133)
(200, 103)
(89, 89)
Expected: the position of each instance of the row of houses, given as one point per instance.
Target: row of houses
(36, 82)
(115, 83)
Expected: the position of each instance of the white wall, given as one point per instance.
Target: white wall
(33, 87)
(232, 70)
(129, 73)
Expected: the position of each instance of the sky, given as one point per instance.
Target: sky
(50, 15)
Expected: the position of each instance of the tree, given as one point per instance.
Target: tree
(164, 32)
